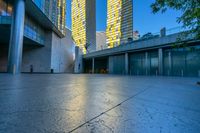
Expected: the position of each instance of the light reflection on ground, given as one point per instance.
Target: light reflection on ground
(98, 103)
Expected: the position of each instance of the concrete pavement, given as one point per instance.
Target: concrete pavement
(62, 103)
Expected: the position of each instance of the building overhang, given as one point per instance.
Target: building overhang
(35, 12)
(5, 37)
(142, 45)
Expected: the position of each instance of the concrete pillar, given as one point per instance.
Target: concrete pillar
(76, 64)
(160, 60)
(16, 38)
(146, 62)
(170, 63)
(126, 64)
(93, 65)
(110, 64)
(78, 68)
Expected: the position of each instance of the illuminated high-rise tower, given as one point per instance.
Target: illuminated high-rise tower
(84, 24)
(55, 10)
(61, 14)
(119, 22)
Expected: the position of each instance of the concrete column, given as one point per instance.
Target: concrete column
(126, 64)
(110, 64)
(16, 38)
(78, 68)
(160, 61)
(170, 63)
(76, 64)
(93, 65)
(146, 62)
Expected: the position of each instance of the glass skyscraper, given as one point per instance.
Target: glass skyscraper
(119, 22)
(55, 10)
(84, 23)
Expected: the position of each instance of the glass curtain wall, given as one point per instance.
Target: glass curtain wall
(153, 59)
(137, 64)
(118, 64)
(144, 63)
(182, 61)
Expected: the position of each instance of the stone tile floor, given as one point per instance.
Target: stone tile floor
(61, 103)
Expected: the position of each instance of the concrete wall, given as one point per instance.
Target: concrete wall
(78, 67)
(38, 57)
(62, 56)
(57, 54)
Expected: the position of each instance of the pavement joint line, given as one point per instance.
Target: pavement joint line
(164, 104)
(129, 98)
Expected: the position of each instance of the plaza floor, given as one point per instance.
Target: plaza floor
(61, 103)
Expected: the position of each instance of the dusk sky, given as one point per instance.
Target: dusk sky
(144, 20)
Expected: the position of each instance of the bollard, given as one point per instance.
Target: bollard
(52, 71)
(31, 69)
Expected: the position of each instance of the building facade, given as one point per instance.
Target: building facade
(84, 24)
(101, 40)
(119, 22)
(158, 56)
(30, 38)
(55, 10)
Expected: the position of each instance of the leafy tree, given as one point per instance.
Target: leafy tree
(190, 12)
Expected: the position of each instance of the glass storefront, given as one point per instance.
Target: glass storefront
(153, 60)
(137, 64)
(182, 61)
(144, 63)
(118, 64)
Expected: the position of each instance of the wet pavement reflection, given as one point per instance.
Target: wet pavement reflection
(98, 104)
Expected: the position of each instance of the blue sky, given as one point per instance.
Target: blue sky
(144, 20)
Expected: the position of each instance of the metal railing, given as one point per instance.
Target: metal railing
(149, 35)
(163, 31)
(175, 30)
(171, 31)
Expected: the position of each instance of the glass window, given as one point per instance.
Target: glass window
(5, 8)
(2, 8)
(33, 31)
(9, 10)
